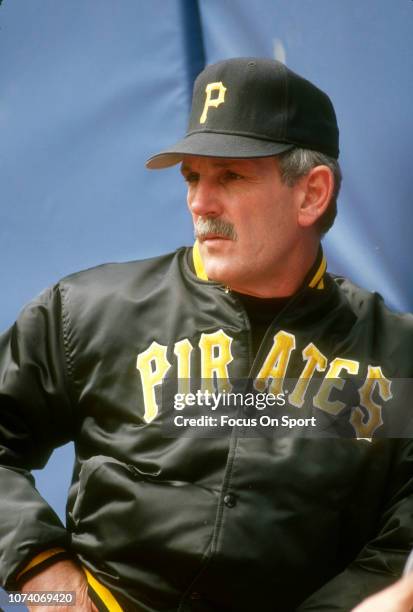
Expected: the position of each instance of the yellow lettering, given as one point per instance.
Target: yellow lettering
(215, 102)
(183, 350)
(153, 366)
(276, 363)
(375, 378)
(215, 357)
(333, 381)
(315, 361)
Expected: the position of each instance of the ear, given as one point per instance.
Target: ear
(317, 188)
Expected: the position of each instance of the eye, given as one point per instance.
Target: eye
(191, 177)
(232, 176)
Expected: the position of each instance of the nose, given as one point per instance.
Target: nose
(203, 199)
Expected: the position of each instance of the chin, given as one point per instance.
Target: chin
(225, 275)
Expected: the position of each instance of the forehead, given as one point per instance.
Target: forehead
(249, 165)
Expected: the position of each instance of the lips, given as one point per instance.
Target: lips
(206, 237)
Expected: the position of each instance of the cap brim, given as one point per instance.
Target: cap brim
(211, 144)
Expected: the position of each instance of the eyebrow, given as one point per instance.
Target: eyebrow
(224, 163)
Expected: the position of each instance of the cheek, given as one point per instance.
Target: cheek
(188, 203)
(274, 225)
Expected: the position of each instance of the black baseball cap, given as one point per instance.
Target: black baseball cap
(252, 107)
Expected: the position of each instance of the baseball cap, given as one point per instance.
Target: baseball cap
(253, 107)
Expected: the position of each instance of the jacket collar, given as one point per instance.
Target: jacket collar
(314, 279)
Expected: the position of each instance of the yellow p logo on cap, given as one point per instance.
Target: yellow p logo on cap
(215, 102)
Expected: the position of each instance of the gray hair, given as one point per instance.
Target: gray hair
(297, 163)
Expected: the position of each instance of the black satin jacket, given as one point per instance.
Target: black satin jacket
(195, 523)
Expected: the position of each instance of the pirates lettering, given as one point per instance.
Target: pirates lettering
(215, 356)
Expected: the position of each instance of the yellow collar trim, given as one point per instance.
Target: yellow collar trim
(316, 281)
(198, 263)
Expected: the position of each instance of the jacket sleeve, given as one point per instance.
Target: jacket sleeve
(381, 560)
(35, 418)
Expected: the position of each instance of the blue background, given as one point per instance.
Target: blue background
(90, 89)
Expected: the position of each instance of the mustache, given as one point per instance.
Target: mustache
(214, 225)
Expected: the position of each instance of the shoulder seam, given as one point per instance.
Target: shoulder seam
(65, 326)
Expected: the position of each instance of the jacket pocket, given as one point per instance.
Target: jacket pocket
(112, 491)
(137, 527)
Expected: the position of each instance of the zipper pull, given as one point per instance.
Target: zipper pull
(227, 289)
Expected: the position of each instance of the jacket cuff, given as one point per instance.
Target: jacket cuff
(100, 595)
(40, 562)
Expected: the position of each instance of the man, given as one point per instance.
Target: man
(221, 520)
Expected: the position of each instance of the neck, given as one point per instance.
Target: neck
(285, 281)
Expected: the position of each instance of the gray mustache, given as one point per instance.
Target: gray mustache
(213, 225)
